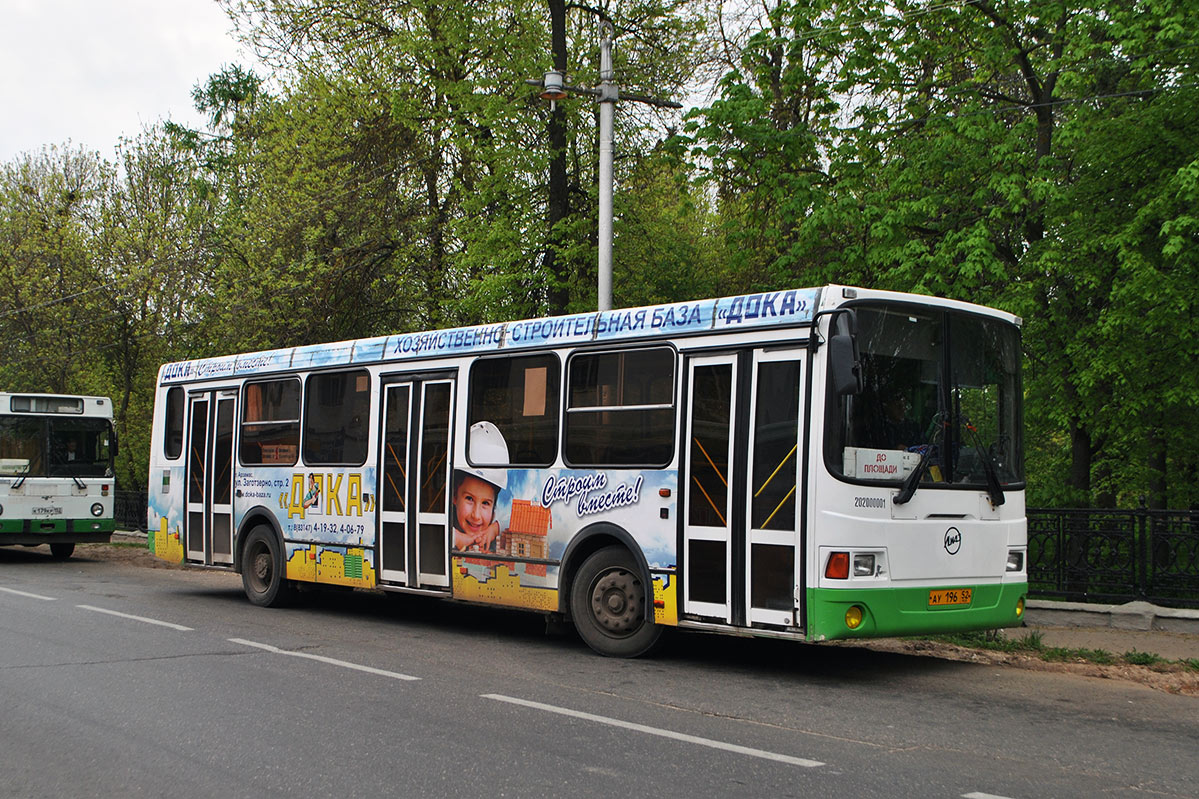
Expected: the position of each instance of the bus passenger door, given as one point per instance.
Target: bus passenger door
(393, 483)
(209, 533)
(221, 511)
(775, 466)
(414, 475)
(708, 519)
(197, 474)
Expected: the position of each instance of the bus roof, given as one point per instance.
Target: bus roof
(742, 313)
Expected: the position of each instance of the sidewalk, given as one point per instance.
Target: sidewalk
(1170, 633)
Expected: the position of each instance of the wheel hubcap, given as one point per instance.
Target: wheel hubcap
(616, 602)
(260, 568)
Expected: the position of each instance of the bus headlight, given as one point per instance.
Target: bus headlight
(1, 509)
(1015, 560)
(97, 509)
(863, 564)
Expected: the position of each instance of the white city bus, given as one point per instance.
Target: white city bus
(811, 464)
(56, 480)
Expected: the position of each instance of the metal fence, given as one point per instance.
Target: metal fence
(1085, 555)
(1092, 555)
(129, 510)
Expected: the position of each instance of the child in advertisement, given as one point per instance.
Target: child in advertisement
(477, 490)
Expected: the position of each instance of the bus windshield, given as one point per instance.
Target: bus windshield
(941, 386)
(38, 446)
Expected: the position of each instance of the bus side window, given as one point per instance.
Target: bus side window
(173, 440)
(621, 410)
(519, 395)
(336, 413)
(270, 428)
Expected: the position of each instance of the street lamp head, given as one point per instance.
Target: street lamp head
(552, 87)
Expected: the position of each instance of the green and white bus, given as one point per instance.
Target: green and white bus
(56, 478)
(810, 464)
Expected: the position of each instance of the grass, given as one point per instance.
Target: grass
(1033, 643)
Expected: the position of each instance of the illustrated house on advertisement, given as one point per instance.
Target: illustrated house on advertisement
(526, 535)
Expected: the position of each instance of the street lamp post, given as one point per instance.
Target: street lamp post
(553, 89)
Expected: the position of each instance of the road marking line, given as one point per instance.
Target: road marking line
(978, 795)
(26, 593)
(172, 625)
(678, 736)
(321, 658)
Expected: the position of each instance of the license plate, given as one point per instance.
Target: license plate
(952, 596)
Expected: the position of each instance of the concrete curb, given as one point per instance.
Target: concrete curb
(1129, 616)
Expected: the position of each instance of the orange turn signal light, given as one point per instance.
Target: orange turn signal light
(838, 566)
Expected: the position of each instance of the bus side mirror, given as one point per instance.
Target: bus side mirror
(113, 448)
(844, 364)
(846, 371)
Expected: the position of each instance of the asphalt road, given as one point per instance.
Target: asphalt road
(124, 681)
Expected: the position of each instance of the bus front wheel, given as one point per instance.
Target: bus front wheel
(607, 605)
(262, 569)
(61, 551)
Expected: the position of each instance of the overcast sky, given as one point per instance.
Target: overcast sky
(91, 71)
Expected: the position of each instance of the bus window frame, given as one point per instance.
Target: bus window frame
(304, 405)
(174, 391)
(298, 421)
(673, 406)
(559, 411)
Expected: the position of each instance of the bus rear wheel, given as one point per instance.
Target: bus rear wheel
(607, 605)
(61, 551)
(262, 569)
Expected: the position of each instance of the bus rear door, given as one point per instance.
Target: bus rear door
(209, 517)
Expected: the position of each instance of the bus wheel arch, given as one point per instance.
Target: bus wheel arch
(607, 591)
(262, 561)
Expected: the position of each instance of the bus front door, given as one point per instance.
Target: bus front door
(740, 563)
(209, 518)
(414, 484)
(773, 583)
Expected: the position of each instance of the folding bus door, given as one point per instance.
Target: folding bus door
(773, 493)
(209, 518)
(708, 506)
(414, 482)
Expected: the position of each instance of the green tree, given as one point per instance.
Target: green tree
(969, 154)
(52, 319)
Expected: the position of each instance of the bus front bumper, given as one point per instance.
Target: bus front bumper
(52, 531)
(887, 612)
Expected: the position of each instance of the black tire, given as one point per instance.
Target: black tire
(607, 605)
(262, 570)
(61, 551)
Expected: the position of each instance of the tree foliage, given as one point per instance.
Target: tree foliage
(394, 173)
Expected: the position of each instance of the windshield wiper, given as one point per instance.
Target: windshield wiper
(912, 482)
(994, 489)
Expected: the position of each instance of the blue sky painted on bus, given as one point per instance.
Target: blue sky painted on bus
(642, 519)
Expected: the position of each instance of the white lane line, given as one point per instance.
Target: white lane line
(678, 736)
(978, 795)
(26, 593)
(321, 658)
(172, 625)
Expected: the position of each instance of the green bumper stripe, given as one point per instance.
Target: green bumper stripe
(57, 526)
(905, 611)
(94, 525)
